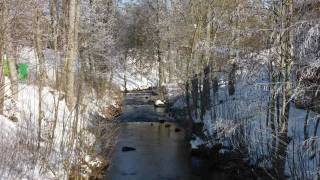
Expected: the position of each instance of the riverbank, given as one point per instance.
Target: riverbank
(210, 162)
(105, 131)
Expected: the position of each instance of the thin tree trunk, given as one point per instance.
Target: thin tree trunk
(41, 71)
(12, 51)
(54, 24)
(273, 110)
(205, 95)
(125, 72)
(305, 125)
(286, 63)
(2, 81)
(2, 37)
(208, 34)
(169, 60)
(158, 45)
(54, 15)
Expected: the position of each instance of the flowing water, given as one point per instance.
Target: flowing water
(161, 151)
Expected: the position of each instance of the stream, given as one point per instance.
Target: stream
(150, 145)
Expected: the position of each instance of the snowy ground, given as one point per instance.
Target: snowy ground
(66, 136)
(137, 76)
(20, 158)
(245, 112)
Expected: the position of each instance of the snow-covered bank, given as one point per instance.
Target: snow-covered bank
(242, 120)
(65, 139)
(134, 75)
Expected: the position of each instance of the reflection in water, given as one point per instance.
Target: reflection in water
(161, 153)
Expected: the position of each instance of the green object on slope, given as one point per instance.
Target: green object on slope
(21, 68)
(6, 69)
(23, 71)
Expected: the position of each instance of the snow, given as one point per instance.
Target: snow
(53, 60)
(7, 127)
(20, 158)
(180, 103)
(21, 137)
(159, 103)
(134, 82)
(196, 143)
(136, 77)
(25, 109)
(240, 119)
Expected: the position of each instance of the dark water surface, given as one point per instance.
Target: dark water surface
(161, 150)
(161, 153)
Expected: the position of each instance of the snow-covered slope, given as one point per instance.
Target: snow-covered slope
(242, 120)
(20, 157)
(136, 75)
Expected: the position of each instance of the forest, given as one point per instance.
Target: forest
(159, 89)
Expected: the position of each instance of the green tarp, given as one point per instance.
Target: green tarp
(22, 70)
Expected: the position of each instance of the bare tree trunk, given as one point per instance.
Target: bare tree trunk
(54, 24)
(2, 81)
(159, 53)
(169, 62)
(2, 38)
(215, 90)
(305, 125)
(54, 15)
(65, 20)
(188, 78)
(160, 70)
(125, 72)
(232, 80)
(41, 70)
(64, 23)
(38, 44)
(272, 104)
(12, 51)
(286, 63)
(72, 50)
(208, 35)
(314, 140)
(195, 94)
(205, 95)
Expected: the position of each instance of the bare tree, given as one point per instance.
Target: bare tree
(71, 48)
